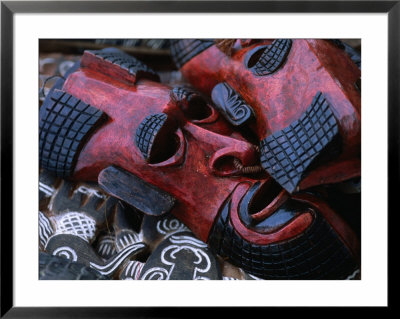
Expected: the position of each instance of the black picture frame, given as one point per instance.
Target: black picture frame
(9, 8)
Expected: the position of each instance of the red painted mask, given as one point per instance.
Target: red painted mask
(166, 149)
(301, 98)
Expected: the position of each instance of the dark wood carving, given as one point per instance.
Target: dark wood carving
(78, 250)
(184, 50)
(231, 105)
(124, 234)
(65, 124)
(58, 268)
(119, 65)
(317, 253)
(181, 256)
(133, 190)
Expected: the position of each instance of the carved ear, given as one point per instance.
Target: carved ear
(118, 65)
(66, 123)
(136, 192)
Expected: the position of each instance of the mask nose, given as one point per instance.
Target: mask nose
(227, 155)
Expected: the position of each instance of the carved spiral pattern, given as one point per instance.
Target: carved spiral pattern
(66, 252)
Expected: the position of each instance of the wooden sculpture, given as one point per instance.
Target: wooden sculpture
(164, 149)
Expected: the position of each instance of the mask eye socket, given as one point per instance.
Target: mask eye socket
(156, 138)
(193, 105)
(254, 56)
(267, 59)
(197, 109)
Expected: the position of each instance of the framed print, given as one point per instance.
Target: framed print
(185, 141)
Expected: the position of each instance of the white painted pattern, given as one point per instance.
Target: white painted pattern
(133, 270)
(229, 278)
(66, 252)
(187, 240)
(254, 277)
(166, 226)
(106, 244)
(45, 229)
(90, 191)
(128, 239)
(353, 275)
(136, 269)
(168, 258)
(116, 261)
(78, 224)
(156, 273)
(48, 190)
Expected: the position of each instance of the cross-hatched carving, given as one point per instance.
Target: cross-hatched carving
(65, 124)
(147, 131)
(287, 154)
(126, 62)
(184, 50)
(183, 93)
(316, 253)
(78, 224)
(273, 57)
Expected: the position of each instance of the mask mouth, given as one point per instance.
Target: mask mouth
(266, 200)
(267, 207)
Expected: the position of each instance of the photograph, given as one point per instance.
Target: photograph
(199, 159)
(165, 158)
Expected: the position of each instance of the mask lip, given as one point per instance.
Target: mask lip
(210, 119)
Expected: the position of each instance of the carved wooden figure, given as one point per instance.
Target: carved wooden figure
(164, 149)
(74, 215)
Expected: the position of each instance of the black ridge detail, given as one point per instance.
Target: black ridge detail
(141, 195)
(127, 62)
(231, 105)
(272, 58)
(147, 132)
(317, 253)
(183, 51)
(287, 154)
(58, 268)
(183, 93)
(65, 124)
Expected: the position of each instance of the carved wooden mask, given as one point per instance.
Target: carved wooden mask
(301, 98)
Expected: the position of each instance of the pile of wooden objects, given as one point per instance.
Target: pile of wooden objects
(200, 159)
